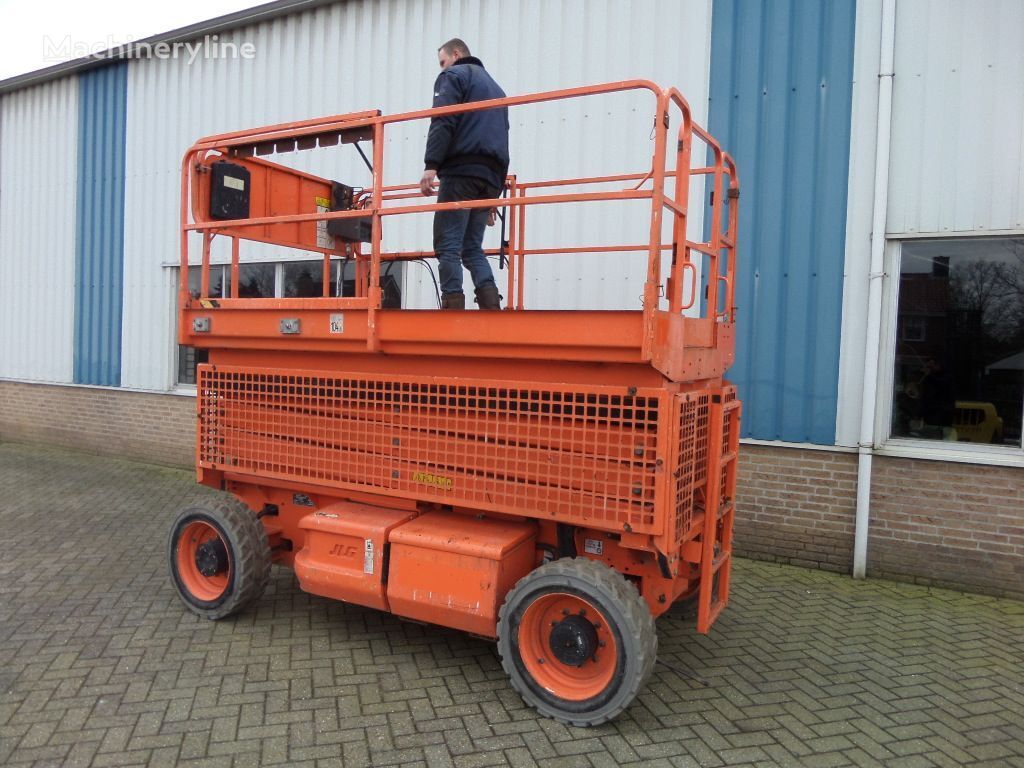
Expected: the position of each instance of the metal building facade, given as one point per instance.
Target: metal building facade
(781, 77)
(99, 225)
(38, 167)
(958, 118)
(955, 154)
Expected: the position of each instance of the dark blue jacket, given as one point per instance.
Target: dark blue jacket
(471, 143)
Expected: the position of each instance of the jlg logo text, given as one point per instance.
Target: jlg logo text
(343, 550)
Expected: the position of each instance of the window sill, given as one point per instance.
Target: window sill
(962, 453)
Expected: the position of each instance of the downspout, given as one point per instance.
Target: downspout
(875, 275)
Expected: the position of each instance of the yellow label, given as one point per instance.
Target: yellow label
(323, 201)
(444, 483)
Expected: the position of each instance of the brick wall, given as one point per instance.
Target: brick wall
(149, 427)
(796, 506)
(955, 525)
(948, 524)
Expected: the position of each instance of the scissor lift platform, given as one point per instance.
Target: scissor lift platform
(552, 479)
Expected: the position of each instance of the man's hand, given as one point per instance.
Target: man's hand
(429, 183)
(492, 216)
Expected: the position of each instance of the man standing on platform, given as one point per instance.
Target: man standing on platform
(468, 154)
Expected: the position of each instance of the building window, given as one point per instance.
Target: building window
(256, 281)
(220, 287)
(913, 328)
(958, 372)
(288, 279)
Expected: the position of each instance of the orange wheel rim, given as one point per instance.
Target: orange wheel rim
(201, 586)
(555, 644)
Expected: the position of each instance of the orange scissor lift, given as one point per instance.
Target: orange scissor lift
(551, 479)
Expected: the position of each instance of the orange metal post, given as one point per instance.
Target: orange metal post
(374, 292)
(657, 207)
(521, 254)
(510, 253)
(204, 281)
(680, 253)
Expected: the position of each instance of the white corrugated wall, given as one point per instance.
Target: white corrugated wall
(363, 54)
(38, 152)
(958, 117)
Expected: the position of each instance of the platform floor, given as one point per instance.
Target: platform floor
(100, 665)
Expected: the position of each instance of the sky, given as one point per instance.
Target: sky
(36, 34)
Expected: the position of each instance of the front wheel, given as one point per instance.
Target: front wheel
(218, 558)
(577, 641)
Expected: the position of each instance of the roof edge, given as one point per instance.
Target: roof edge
(183, 34)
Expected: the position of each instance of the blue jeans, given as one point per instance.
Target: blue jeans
(459, 235)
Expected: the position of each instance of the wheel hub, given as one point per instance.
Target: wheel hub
(573, 640)
(212, 557)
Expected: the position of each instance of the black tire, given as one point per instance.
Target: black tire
(247, 553)
(627, 616)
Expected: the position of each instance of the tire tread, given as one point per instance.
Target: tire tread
(639, 623)
(252, 558)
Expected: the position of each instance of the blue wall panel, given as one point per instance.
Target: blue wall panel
(781, 89)
(99, 224)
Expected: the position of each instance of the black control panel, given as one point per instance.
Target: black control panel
(229, 191)
(354, 230)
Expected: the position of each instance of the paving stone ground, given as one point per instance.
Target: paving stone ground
(101, 665)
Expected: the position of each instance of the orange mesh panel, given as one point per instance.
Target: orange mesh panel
(702, 415)
(582, 454)
(690, 468)
(728, 395)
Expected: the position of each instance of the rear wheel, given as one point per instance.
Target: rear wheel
(219, 558)
(577, 641)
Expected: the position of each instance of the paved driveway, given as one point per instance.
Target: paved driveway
(100, 664)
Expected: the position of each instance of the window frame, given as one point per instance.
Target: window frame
(917, 448)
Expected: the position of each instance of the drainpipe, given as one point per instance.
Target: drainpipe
(875, 274)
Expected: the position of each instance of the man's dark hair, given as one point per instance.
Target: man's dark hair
(455, 44)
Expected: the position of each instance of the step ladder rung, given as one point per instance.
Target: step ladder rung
(719, 561)
(716, 609)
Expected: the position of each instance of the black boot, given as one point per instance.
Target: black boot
(453, 300)
(488, 297)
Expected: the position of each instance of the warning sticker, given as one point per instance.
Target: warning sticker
(593, 546)
(428, 478)
(323, 239)
(337, 323)
(368, 556)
